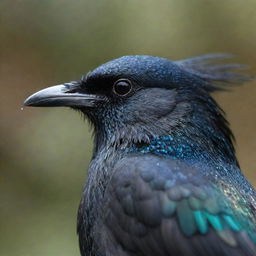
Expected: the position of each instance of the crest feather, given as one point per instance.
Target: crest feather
(215, 75)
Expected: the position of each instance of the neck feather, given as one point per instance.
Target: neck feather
(195, 128)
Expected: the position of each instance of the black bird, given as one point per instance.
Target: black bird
(164, 178)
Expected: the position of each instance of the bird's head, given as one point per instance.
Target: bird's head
(134, 98)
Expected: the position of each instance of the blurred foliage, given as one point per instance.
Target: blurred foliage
(44, 152)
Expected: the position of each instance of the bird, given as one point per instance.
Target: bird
(164, 178)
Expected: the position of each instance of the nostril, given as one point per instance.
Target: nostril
(72, 87)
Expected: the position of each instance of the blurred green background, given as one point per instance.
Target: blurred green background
(44, 153)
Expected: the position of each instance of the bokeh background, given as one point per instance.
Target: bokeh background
(44, 153)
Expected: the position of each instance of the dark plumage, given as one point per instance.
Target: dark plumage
(164, 178)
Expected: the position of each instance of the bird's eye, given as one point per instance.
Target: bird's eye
(122, 87)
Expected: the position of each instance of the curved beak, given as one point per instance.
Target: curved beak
(61, 95)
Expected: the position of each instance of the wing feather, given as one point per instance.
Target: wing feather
(186, 215)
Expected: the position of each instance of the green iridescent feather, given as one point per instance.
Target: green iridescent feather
(197, 214)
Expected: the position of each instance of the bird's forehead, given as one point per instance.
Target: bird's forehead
(136, 65)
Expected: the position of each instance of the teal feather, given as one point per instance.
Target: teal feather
(198, 213)
(201, 222)
(231, 222)
(214, 220)
(186, 218)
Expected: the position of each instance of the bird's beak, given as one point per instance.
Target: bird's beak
(61, 95)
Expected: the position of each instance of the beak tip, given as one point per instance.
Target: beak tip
(25, 103)
(42, 98)
(28, 102)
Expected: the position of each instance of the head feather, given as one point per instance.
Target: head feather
(215, 75)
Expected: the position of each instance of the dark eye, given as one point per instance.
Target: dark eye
(122, 87)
